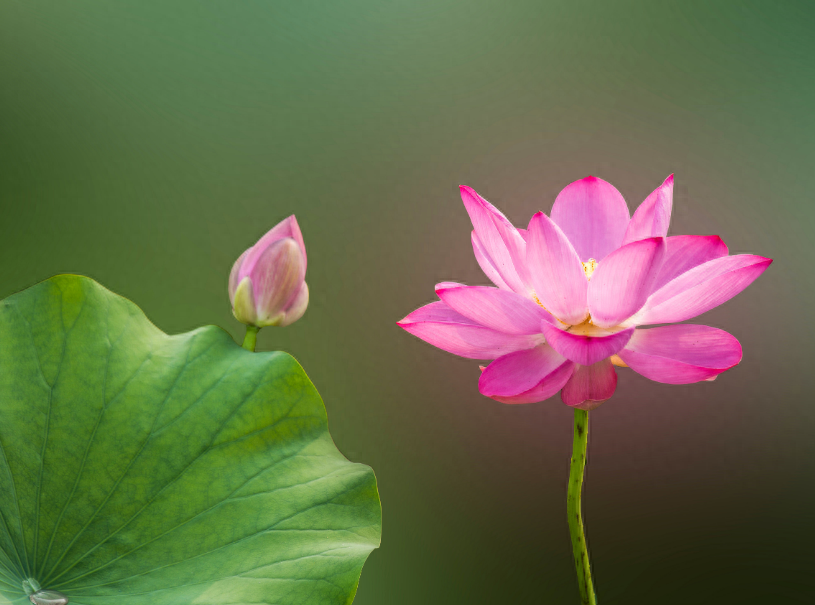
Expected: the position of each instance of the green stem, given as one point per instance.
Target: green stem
(251, 338)
(579, 546)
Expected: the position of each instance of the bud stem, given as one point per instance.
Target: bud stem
(251, 338)
(573, 508)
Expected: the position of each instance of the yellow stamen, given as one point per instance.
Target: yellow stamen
(589, 266)
(617, 361)
(587, 328)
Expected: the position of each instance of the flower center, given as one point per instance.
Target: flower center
(586, 328)
(589, 329)
(589, 266)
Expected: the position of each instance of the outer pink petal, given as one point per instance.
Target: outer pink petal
(297, 307)
(681, 354)
(494, 308)
(233, 275)
(486, 264)
(701, 289)
(653, 216)
(288, 227)
(555, 271)
(277, 276)
(622, 282)
(590, 386)
(593, 215)
(442, 327)
(449, 284)
(585, 350)
(684, 252)
(525, 376)
(499, 238)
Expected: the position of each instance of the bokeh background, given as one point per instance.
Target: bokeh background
(148, 143)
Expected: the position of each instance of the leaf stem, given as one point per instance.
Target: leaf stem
(579, 546)
(251, 338)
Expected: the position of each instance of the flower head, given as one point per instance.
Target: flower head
(267, 284)
(572, 291)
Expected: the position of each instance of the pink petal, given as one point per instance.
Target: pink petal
(684, 252)
(288, 227)
(593, 215)
(590, 386)
(501, 310)
(297, 307)
(681, 354)
(585, 350)
(622, 282)
(555, 271)
(500, 240)
(701, 289)
(486, 264)
(525, 376)
(442, 327)
(449, 284)
(277, 276)
(653, 216)
(234, 279)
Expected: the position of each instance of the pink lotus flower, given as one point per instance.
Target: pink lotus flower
(573, 290)
(267, 284)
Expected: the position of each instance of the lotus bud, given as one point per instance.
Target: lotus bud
(267, 284)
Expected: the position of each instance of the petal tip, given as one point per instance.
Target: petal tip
(294, 226)
(446, 285)
(719, 239)
(539, 216)
(763, 262)
(468, 196)
(468, 193)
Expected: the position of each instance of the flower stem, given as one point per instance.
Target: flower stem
(251, 338)
(579, 546)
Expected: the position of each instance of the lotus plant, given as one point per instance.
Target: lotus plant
(572, 292)
(267, 284)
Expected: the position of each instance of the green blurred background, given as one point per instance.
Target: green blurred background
(148, 143)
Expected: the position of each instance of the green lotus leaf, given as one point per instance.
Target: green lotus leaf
(137, 467)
